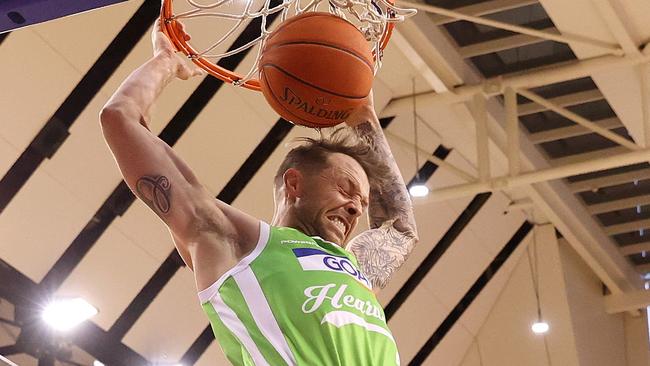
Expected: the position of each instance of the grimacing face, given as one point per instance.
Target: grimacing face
(333, 199)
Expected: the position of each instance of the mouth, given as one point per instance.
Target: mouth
(340, 224)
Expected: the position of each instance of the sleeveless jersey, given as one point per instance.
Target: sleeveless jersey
(298, 300)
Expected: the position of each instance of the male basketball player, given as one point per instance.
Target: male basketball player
(298, 291)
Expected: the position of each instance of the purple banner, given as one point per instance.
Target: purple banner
(21, 13)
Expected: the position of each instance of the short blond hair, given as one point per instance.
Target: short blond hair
(311, 156)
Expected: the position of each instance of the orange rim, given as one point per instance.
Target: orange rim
(172, 30)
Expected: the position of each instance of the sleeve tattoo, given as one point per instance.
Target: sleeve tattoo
(393, 234)
(155, 192)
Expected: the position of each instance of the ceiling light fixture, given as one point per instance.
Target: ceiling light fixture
(540, 327)
(65, 314)
(418, 190)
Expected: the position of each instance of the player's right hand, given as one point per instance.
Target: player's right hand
(163, 47)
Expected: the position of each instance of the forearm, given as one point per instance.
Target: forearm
(137, 94)
(389, 201)
(392, 236)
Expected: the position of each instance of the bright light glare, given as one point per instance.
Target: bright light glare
(97, 363)
(540, 327)
(419, 190)
(66, 314)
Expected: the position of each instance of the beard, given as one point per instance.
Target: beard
(314, 222)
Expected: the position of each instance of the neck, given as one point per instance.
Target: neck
(284, 216)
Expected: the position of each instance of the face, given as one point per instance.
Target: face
(332, 200)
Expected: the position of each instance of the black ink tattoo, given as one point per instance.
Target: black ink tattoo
(393, 234)
(155, 192)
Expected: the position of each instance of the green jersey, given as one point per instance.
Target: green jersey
(298, 300)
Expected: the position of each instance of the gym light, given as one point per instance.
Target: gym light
(65, 314)
(97, 363)
(540, 327)
(419, 190)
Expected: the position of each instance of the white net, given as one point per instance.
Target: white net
(214, 26)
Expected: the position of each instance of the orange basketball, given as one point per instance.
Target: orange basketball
(315, 69)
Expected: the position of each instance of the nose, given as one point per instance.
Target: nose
(353, 209)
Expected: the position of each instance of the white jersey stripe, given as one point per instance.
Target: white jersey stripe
(235, 325)
(206, 294)
(261, 311)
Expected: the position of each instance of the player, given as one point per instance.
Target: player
(298, 291)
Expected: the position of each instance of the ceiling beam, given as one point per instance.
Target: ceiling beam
(484, 8)
(643, 268)
(588, 156)
(414, 58)
(555, 202)
(572, 131)
(610, 48)
(620, 204)
(629, 32)
(610, 180)
(616, 25)
(505, 43)
(566, 113)
(420, 34)
(527, 80)
(553, 277)
(636, 248)
(460, 173)
(535, 176)
(634, 300)
(627, 227)
(567, 100)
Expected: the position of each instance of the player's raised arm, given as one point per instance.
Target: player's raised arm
(383, 248)
(198, 222)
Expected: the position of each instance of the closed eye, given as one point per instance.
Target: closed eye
(362, 200)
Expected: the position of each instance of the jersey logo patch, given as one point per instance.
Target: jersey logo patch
(293, 241)
(317, 260)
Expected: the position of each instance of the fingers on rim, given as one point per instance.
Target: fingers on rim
(180, 30)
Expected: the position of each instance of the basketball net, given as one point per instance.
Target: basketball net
(374, 18)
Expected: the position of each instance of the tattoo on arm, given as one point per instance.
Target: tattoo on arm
(381, 252)
(390, 201)
(155, 192)
(393, 234)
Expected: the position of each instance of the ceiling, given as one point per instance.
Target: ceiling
(70, 227)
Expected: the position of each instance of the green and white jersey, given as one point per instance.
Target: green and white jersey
(298, 300)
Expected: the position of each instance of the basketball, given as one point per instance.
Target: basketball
(315, 69)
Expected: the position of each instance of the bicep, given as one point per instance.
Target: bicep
(153, 172)
(209, 234)
(381, 252)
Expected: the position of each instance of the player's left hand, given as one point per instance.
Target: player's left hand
(163, 47)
